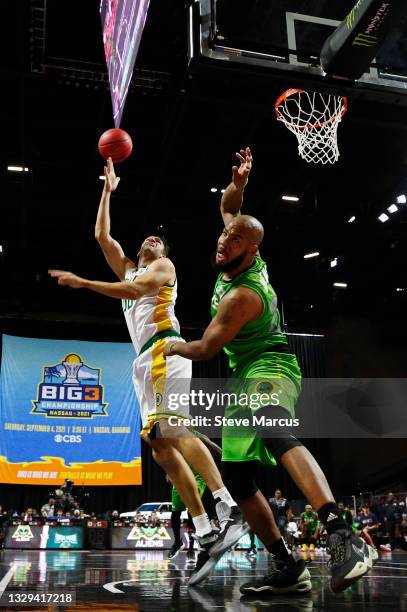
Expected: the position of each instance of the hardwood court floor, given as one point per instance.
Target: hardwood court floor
(147, 581)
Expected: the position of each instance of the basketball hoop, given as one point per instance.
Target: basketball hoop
(314, 118)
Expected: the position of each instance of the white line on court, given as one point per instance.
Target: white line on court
(7, 577)
(374, 577)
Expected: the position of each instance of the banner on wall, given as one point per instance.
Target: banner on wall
(38, 536)
(68, 410)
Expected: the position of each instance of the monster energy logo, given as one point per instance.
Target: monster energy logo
(365, 40)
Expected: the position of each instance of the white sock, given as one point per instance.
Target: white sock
(224, 495)
(202, 524)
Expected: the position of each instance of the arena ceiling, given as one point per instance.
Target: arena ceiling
(186, 125)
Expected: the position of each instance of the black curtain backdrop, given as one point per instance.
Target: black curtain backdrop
(310, 354)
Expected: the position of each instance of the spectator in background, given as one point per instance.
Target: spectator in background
(367, 524)
(392, 519)
(279, 506)
(78, 514)
(3, 522)
(309, 528)
(59, 500)
(293, 533)
(346, 513)
(401, 541)
(153, 520)
(49, 508)
(28, 515)
(67, 487)
(139, 519)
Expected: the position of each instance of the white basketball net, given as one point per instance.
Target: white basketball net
(314, 118)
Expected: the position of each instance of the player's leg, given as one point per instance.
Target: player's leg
(179, 472)
(176, 529)
(287, 574)
(348, 562)
(149, 377)
(367, 538)
(177, 384)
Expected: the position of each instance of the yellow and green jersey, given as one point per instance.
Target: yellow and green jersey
(152, 315)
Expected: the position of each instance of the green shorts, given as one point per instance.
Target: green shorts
(177, 503)
(276, 375)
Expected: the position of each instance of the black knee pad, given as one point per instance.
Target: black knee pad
(238, 478)
(283, 440)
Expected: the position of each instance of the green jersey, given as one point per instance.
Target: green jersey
(310, 520)
(261, 335)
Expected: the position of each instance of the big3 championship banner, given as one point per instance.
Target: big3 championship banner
(68, 410)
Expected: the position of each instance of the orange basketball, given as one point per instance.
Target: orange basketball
(115, 143)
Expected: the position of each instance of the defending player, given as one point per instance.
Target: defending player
(246, 324)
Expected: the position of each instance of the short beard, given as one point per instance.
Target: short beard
(232, 264)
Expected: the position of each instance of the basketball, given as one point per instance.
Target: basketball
(115, 143)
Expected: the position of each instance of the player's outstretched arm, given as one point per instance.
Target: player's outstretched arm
(112, 250)
(232, 198)
(160, 273)
(238, 307)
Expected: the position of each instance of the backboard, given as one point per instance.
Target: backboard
(286, 36)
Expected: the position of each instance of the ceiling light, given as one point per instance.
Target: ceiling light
(352, 219)
(401, 289)
(17, 169)
(289, 198)
(102, 177)
(222, 190)
(309, 255)
(334, 262)
(214, 189)
(1, 250)
(383, 217)
(401, 199)
(342, 285)
(393, 208)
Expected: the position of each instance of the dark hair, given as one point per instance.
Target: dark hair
(166, 245)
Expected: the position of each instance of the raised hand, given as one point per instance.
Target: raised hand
(241, 173)
(111, 180)
(67, 278)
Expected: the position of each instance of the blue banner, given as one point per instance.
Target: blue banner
(68, 410)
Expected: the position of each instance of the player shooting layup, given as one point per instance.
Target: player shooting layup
(148, 292)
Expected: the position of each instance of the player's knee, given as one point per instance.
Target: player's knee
(238, 478)
(283, 440)
(163, 451)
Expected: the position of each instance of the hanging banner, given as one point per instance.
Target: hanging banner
(123, 24)
(68, 410)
